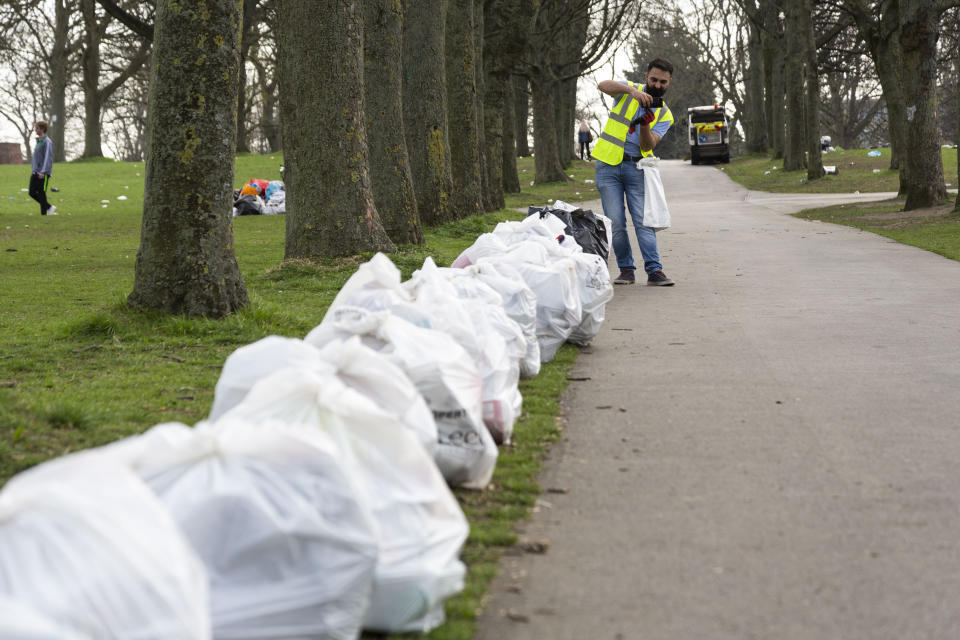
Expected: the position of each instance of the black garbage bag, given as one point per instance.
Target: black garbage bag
(587, 229)
(248, 205)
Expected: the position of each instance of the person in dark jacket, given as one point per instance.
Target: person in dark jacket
(41, 169)
(584, 137)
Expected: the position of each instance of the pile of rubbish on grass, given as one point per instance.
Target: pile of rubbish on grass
(314, 501)
(260, 198)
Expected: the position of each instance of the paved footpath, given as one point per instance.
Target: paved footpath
(770, 449)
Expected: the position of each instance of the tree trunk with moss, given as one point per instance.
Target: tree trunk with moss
(918, 39)
(508, 169)
(546, 158)
(811, 94)
(793, 149)
(425, 108)
(462, 109)
(186, 262)
(393, 192)
(330, 208)
(521, 114)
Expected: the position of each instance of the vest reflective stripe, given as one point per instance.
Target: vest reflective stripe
(612, 140)
(610, 144)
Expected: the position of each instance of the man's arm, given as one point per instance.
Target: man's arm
(648, 139)
(616, 89)
(47, 167)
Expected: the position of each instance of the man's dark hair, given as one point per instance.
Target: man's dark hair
(42, 124)
(661, 63)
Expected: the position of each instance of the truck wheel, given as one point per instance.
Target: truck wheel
(694, 159)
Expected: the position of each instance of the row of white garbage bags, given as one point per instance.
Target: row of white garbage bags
(308, 504)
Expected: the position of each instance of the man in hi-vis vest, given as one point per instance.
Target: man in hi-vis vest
(630, 134)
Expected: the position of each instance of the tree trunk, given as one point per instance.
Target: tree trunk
(773, 69)
(486, 193)
(59, 55)
(918, 39)
(186, 262)
(94, 95)
(755, 122)
(390, 175)
(425, 108)
(462, 109)
(887, 61)
(546, 157)
(521, 112)
(246, 42)
(793, 156)
(330, 209)
(511, 178)
(957, 205)
(496, 79)
(812, 83)
(91, 80)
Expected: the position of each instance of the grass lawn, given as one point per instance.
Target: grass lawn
(78, 369)
(936, 229)
(857, 172)
(576, 190)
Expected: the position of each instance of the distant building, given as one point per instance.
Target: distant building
(10, 153)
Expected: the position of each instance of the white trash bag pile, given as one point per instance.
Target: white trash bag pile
(314, 501)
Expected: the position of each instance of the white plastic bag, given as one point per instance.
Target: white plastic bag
(519, 303)
(442, 371)
(277, 517)
(21, 622)
(466, 321)
(420, 523)
(595, 290)
(86, 544)
(554, 281)
(356, 365)
(656, 214)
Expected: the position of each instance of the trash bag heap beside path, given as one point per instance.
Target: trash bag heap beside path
(315, 500)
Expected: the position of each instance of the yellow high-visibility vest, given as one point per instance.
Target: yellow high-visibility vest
(609, 147)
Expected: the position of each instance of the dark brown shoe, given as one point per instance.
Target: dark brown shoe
(626, 276)
(659, 279)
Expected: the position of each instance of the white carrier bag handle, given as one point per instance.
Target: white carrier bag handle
(655, 211)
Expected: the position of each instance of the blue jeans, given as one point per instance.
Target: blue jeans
(616, 182)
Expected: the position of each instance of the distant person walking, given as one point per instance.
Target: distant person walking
(41, 169)
(584, 137)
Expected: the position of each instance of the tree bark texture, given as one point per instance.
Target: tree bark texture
(91, 79)
(390, 175)
(486, 195)
(773, 70)
(496, 79)
(521, 112)
(793, 148)
(247, 40)
(425, 108)
(546, 158)
(754, 123)
(511, 177)
(186, 262)
(463, 109)
(59, 55)
(812, 93)
(330, 208)
(918, 39)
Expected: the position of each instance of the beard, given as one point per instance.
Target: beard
(656, 92)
